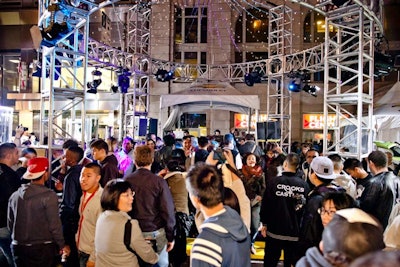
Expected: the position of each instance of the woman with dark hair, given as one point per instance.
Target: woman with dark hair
(116, 201)
(254, 184)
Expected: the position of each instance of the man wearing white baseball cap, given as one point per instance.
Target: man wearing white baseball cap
(33, 219)
(311, 228)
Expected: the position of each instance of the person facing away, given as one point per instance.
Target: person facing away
(9, 183)
(250, 146)
(380, 194)
(351, 234)
(202, 152)
(321, 176)
(108, 163)
(343, 179)
(224, 239)
(154, 206)
(281, 209)
(33, 219)
(116, 202)
(89, 211)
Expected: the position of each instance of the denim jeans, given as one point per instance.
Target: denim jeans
(161, 238)
(5, 245)
(255, 220)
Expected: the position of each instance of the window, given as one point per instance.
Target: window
(251, 35)
(252, 26)
(191, 25)
(314, 28)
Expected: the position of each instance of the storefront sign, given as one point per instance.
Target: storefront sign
(316, 121)
(242, 120)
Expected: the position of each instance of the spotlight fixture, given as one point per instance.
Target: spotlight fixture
(295, 85)
(92, 86)
(251, 78)
(114, 88)
(311, 89)
(383, 64)
(164, 76)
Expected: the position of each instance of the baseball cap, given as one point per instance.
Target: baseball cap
(351, 234)
(323, 167)
(36, 168)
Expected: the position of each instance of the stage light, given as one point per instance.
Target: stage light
(383, 64)
(92, 86)
(251, 78)
(164, 76)
(294, 86)
(311, 89)
(114, 88)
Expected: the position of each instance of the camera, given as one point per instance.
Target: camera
(219, 155)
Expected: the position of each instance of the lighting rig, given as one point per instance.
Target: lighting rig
(164, 76)
(253, 77)
(299, 81)
(92, 86)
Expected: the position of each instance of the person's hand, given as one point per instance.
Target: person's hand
(264, 231)
(163, 172)
(170, 246)
(229, 157)
(258, 198)
(19, 131)
(90, 263)
(66, 250)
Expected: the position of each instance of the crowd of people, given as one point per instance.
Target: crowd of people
(134, 203)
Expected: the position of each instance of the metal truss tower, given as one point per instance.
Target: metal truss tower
(349, 80)
(64, 63)
(137, 100)
(279, 102)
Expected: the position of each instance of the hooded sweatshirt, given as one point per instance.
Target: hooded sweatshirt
(223, 241)
(313, 258)
(33, 216)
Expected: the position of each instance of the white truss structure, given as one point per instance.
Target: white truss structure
(348, 98)
(279, 103)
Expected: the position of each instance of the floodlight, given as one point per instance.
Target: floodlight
(311, 89)
(251, 78)
(164, 76)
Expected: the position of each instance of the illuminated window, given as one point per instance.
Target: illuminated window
(191, 25)
(314, 28)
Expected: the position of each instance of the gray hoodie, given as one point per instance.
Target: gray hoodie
(33, 216)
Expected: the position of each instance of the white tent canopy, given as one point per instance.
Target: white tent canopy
(389, 104)
(201, 97)
(387, 115)
(211, 93)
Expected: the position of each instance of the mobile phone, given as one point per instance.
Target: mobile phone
(219, 155)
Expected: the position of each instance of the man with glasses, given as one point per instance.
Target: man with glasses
(321, 176)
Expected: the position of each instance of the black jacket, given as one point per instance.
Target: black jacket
(311, 225)
(9, 183)
(282, 206)
(378, 196)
